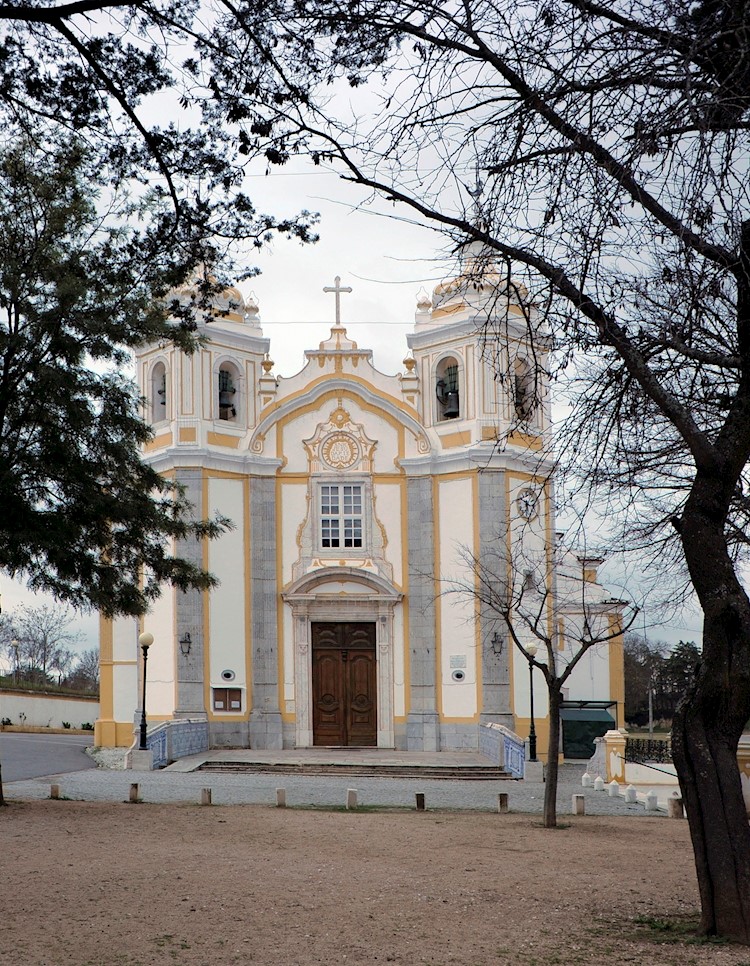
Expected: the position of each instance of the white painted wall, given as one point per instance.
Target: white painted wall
(227, 601)
(160, 685)
(390, 512)
(47, 711)
(458, 629)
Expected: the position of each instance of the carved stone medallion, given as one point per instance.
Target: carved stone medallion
(339, 451)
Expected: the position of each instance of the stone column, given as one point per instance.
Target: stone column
(189, 613)
(493, 558)
(386, 737)
(302, 680)
(422, 724)
(265, 717)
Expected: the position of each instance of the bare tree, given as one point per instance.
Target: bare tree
(556, 620)
(44, 639)
(611, 143)
(85, 673)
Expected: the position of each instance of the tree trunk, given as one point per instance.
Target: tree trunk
(711, 718)
(553, 746)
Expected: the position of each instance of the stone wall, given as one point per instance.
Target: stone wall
(43, 709)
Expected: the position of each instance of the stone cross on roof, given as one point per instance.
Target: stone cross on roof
(337, 289)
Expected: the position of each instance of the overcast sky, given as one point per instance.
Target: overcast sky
(386, 261)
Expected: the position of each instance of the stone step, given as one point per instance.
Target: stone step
(362, 769)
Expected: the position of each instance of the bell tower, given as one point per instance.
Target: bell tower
(209, 398)
(479, 356)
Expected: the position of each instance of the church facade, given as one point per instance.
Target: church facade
(373, 518)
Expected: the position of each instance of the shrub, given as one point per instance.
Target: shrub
(87, 726)
(66, 724)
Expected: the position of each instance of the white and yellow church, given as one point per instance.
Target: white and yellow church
(361, 503)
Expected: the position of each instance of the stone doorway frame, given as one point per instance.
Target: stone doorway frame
(376, 604)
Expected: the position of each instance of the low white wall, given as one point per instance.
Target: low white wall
(661, 774)
(45, 710)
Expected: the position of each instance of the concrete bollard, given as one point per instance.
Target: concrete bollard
(674, 806)
(54, 791)
(205, 796)
(586, 780)
(599, 784)
(579, 805)
(613, 789)
(351, 798)
(502, 802)
(281, 798)
(134, 793)
(631, 795)
(651, 802)
(420, 801)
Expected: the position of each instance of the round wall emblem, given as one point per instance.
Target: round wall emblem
(527, 504)
(339, 451)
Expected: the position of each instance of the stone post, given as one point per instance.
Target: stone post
(615, 756)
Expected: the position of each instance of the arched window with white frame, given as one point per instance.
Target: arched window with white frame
(524, 391)
(158, 395)
(228, 392)
(447, 389)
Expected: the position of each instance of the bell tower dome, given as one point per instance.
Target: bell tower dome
(473, 343)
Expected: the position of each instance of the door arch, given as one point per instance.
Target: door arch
(342, 595)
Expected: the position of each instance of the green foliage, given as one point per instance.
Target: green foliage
(650, 664)
(87, 726)
(83, 514)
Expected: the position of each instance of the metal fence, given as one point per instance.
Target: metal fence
(648, 749)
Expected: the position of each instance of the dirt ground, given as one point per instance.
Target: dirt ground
(133, 885)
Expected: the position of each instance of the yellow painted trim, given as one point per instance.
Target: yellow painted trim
(478, 652)
(616, 669)
(106, 639)
(164, 439)
(223, 439)
(469, 719)
(188, 434)
(438, 657)
(113, 734)
(461, 438)
(225, 475)
(405, 604)
(207, 702)
(541, 726)
(248, 597)
(517, 438)
(280, 605)
(325, 398)
(509, 578)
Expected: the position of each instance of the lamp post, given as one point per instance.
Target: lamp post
(14, 645)
(531, 650)
(145, 640)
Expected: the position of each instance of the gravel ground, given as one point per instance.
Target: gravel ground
(100, 884)
(326, 791)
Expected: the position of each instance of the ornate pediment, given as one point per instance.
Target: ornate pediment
(339, 445)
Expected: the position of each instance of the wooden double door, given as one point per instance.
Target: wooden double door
(344, 679)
